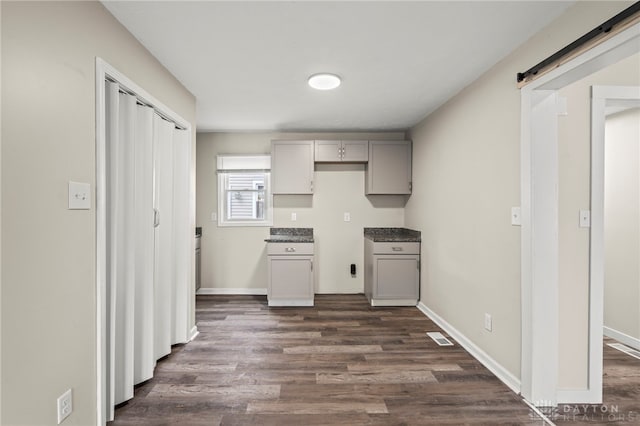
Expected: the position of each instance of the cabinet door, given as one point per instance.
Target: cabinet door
(389, 168)
(355, 151)
(290, 278)
(368, 269)
(328, 151)
(292, 167)
(397, 277)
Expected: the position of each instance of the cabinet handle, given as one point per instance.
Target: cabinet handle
(290, 249)
(418, 263)
(312, 265)
(311, 186)
(156, 218)
(396, 248)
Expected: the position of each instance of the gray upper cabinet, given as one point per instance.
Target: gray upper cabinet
(292, 167)
(341, 151)
(355, 151)
(328, 151)
(389, 168)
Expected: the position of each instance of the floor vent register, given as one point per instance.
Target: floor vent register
(440, 339)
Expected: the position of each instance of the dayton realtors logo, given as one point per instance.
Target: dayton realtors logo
(585, 413)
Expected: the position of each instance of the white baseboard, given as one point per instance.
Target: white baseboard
(290, 302)
(622, 337)
(233, 291)
(578, 396)
(194, 333)
(393, 302)
(501, 373)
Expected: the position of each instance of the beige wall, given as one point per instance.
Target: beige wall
(235, 257)
(466, 179)
(622, 223)
(574, 147)
(48, 136)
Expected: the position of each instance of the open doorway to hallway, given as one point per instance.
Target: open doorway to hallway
(598, 258)
(562, 307)
(621, 227)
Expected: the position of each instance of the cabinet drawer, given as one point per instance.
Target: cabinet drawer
(289, 249)
(396, 248)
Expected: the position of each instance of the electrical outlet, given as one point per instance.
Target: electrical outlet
(79, 196)
(214, 217)
(347, 217)
(65, 405)
(294, 217)
(487, 322)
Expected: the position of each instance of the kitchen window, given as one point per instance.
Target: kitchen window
(244, 193)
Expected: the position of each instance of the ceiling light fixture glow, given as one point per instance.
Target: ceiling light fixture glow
(324, 81)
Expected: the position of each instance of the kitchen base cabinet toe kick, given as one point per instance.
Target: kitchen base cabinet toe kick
(290, 267)
(392, 266)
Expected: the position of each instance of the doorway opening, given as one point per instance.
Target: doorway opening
(540, 227)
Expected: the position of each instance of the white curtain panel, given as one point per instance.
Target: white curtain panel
(164, 248)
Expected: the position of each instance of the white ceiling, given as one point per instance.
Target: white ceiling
(247, 63)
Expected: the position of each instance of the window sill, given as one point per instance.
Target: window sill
(266, 224)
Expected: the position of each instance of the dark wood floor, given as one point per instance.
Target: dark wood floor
(620, 393)
(338, 363)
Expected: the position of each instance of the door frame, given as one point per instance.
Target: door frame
(602, 98)
(539, 232)
(104, 72)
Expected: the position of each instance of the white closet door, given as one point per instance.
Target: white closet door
(145, 360)
(164, 251)
(182, 233)
(148, 243)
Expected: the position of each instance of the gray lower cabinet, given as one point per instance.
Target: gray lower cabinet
(290, 274)
(392, 273)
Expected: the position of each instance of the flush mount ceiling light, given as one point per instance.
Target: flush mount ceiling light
(324, 81)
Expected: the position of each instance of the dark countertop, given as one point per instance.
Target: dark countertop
(290, 235)
(392, 235)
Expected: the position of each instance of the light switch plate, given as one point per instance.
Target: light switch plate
(515, 216)
(488, 322)
(347, 217)
(79, 196)
(585, 218)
